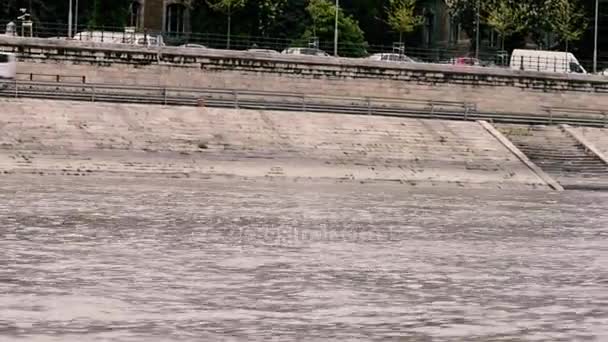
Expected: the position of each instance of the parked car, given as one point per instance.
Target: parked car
(264, 51)
(305, 51)
(130, 38)
(471, 61)
(8, 66)
(193, 46)
(392, 57)
(545, 61)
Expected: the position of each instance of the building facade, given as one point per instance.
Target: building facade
(171, 16)
(439, 28)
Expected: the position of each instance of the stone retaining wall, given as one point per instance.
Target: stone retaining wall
(491, 89)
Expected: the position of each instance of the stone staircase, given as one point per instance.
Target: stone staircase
(91, 139)
(560, 155)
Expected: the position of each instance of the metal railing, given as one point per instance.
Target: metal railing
(51, 77)
(448, 54)
(285, 101)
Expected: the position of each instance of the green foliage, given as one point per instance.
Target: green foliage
(567, 20)
(297, 19)
(401, 16)
(109, 13)
(268, 13)
(508, 17)
(227, 7)
(351, 38)
(465, 13)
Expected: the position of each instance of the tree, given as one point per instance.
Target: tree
(508, 17)
(401, 17)
(465, 12)
(268, 13)
(567, 19)
(109, 13)
(322, 13)
(226, 7)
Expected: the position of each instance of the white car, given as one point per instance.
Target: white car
(264, 51)
(193, 46)
(8, 66)
(391, 57)
(305, 51)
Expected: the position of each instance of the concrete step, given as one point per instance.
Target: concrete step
(558, 154)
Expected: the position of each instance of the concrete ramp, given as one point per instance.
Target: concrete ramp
(596, 139)
(84, 139)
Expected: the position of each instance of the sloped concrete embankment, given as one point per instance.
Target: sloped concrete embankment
(84, 139)
(595, 139)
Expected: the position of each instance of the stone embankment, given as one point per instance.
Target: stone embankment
(489, 89)
(84, 139)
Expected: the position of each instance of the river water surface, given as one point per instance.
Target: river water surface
(84, 259)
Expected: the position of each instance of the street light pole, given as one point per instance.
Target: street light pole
(595, 38)
(477, 30)
(76, 18)
(70, 21)
(336, 29)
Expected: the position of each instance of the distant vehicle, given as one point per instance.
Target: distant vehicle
(305, 51)
(8, 66)
(266, 51)
(130, 38)
(392, 57)
(545, 61)
(193, 46)
(470, 61)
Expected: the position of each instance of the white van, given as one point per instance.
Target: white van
(130, 38)
(545, 61)
(8, 66)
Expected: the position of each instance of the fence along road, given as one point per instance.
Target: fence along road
(245, 99)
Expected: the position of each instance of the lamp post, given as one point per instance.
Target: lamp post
(595, 38)
(477, 30)
(336, 29)
(70, 21)
(76, 18)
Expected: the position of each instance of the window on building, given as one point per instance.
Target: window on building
(175, 18)
(135, 14)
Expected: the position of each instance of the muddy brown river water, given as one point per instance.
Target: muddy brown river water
(86, 259)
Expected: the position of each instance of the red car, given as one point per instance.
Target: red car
(466, 61)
